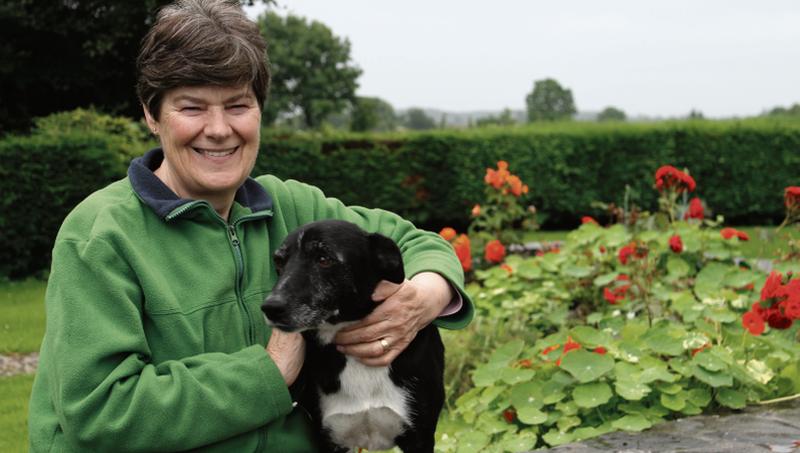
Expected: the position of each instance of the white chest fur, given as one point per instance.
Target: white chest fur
(368, 411)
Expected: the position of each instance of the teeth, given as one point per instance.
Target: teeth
(222, 153)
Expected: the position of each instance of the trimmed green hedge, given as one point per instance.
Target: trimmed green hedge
(430, 178)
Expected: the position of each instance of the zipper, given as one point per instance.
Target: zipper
(237, 253)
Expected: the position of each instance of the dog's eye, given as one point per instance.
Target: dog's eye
(324, 261)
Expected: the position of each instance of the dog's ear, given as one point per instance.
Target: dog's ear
(386, 258)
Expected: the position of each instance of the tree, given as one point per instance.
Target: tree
(794, 110)
(417, 119)
(504, 119)
(695, 114)
(60, 55)
(611, 114)
(549, 102)
(372, 114)
(312, 75)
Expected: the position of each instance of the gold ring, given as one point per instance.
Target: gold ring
(384, 344)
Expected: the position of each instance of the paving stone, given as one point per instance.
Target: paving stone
(770, 428)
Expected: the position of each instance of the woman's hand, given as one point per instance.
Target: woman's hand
(403, 311)
(288, 351)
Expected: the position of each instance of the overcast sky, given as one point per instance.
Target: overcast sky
(655, 58)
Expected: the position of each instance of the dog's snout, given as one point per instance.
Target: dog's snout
(274, 306)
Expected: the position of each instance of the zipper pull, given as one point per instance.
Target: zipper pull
(234, 238)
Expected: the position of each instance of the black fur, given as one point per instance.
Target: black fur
(328, 271)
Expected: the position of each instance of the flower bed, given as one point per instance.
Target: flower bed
(624, 326)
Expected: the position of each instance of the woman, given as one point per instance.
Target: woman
(154, 336)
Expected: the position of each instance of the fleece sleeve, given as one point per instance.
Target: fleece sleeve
(106, 393)
(422, 250)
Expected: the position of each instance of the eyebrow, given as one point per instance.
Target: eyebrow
(234, 98)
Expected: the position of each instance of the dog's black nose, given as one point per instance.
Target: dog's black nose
(274, 307)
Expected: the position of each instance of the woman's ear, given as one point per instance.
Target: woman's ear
(151, 122)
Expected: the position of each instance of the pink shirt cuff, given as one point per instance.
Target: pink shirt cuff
(454, 305)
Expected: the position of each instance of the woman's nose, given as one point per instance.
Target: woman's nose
(217, 125)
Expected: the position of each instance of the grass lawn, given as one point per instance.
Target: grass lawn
(14, 412)
(21, 316)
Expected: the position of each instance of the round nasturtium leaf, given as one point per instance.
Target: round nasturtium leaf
(700, 397)
(507, 352)
(712, 378)
(527, 394)
(531, 415)
(709, 361)
(524, 440)
(565, 423)
(586, 366)
(632, 423)
(673, 402)
(591, 395)
(677, 267)
(555, 437)
(590, 337)
(731, 398)
(632, 391)
(473, 440)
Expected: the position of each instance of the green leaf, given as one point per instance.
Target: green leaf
(486, 374)
(700, 397)
(656, 373)
(516, 375)
(586, 366)
(677, 267)
(663, 343)
(710, 279)
(712, 378)
(731, 398)
(507, 352)
(529, 270)
(709, 361)
(531, 415)
(575, 271)
(524, 440)
(691, 409)
(591, 395)
(555, 437)
(528, 394)
(472, 440)
(673, 402)
(605, 279)
(631, 391)
(590, 337)
(565, 423)
(632, 423)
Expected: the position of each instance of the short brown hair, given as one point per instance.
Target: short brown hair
(200, 42)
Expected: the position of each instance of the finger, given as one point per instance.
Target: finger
(372, 349)
(385, 289)
(365, 334)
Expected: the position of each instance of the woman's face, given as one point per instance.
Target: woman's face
(210, 138)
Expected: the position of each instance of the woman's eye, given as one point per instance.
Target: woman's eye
(238, 108)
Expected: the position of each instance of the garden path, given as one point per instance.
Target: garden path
(771, 428)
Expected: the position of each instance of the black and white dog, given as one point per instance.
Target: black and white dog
(327, 273)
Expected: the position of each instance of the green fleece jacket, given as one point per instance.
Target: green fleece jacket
(155, 339)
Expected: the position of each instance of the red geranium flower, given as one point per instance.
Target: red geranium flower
(771, 286)
(588, 219)
(600, 350)
(728, 233)
(791, 197)
(610, 297)
(448, 233)
(510, 415)
(550, 349)
(625, 253)
(695, 210)
(670, 178)
(753, 322)
(463, 252)
(676, 244)
(494, 252)
(524, 363)
(507, 268)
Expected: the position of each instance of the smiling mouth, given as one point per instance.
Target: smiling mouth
(216, 152)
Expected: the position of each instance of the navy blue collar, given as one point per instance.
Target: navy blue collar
(163, 200)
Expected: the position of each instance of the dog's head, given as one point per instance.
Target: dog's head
(327, 271)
